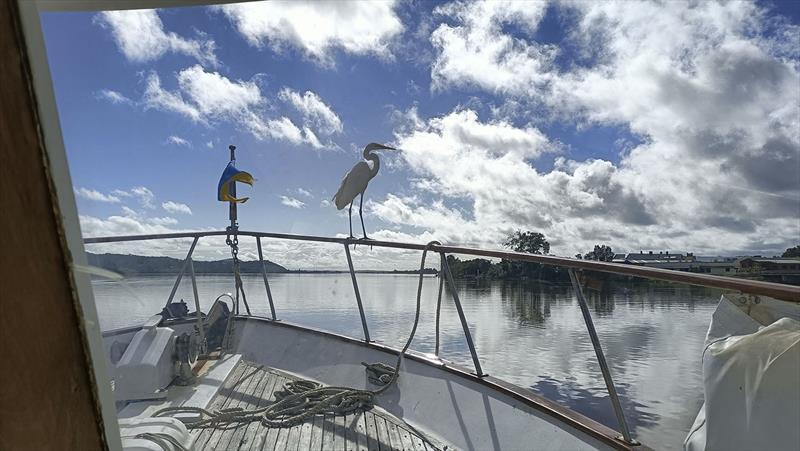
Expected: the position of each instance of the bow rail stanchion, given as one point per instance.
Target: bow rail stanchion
(182, 272)
(451, 283)
(198, 315)
(601, 359)
(264, 275)
(358, 294)
(439, 302)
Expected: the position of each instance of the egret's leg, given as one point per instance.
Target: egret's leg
(361, 215)
(350, 216)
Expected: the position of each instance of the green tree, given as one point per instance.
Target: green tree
(530, 242)
(792, 252)
(600, 252)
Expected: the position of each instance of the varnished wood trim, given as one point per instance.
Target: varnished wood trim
(48, 398)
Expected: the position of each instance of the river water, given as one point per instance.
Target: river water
(527, 333)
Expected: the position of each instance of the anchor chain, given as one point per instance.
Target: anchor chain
(233, 231)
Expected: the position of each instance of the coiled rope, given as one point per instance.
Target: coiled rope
(302, 399)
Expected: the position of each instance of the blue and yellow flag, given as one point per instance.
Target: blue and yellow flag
(226, 191)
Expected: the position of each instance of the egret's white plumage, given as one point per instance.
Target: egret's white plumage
(356, 181)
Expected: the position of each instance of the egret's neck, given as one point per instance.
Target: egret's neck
(376, 163)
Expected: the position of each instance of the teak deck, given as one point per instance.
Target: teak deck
(251, 386)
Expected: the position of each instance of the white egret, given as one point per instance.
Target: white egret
(356, 181)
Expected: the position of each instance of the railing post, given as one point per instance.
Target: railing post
(264, 274)
(601, 359)
(478, 370)
(183, 270)
(197, 307)
(439, 301)
(358, 295)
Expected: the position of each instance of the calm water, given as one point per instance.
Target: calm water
(527, 333)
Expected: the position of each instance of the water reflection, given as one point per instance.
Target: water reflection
(596, 404)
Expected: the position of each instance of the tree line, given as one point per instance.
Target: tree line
(536, 243)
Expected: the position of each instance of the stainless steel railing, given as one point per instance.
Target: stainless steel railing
(752, 287)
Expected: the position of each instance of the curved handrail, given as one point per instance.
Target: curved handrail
(775, 290)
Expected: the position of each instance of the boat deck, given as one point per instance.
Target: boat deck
(252, 386)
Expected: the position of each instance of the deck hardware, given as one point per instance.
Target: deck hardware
(183, 270)
(197, 308)
(601, 359)
(264, 275)
(451, 283)
(439, 304)
(358, 295)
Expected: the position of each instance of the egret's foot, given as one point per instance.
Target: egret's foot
(365, 238)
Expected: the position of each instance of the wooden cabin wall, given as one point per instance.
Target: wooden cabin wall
(47, 395)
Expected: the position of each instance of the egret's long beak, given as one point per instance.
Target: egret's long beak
(387, 148)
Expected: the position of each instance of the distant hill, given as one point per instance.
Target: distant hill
(129, 265)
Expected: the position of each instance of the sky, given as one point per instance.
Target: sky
(641, 125)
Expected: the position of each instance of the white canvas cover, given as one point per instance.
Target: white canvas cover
(751, 372)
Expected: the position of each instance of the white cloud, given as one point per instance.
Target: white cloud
(95, 195)
(485, 166)
(317, 28)
(210, 144)
(114, 97)
(305, 193)
(141, 37)
(216, 95)
(120, 193)
(206, 97)
(175, 207)
(712, 95)
(292, 202)
(144, 195)
(313, 109)
(477, 52)
(158, 98)
(178, 141)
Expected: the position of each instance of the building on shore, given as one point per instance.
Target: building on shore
(680, 262)
(769, 266)
(777, 269)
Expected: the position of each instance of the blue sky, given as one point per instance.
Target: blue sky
(642, 125)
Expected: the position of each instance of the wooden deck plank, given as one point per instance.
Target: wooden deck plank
(316, 434)
(394, 435)
(362, 440)
(373, 442)
(282, 440)
(304, 441)
(239, 398)
(338, 433)
(328, 432)
(271, 434)
(417, 441)
(383, 433)
(243, 438)
(405, 437)
(294, 437)
(219, 402)
(257, 432)
(270, 439)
